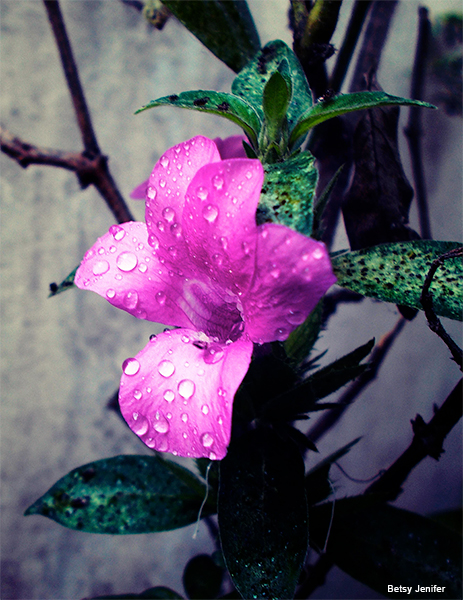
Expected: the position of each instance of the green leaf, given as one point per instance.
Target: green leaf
(263, 514)
(277, 95)
(300, 341)
(252, 79)
(382, 545)
(66, 284)
(124, 495)
(225, 27)
(345, 103)
(332, 377)
(396, 273)
(225, 105)
(288, 191)
(202, 577)
(156, 593)
(317, 484)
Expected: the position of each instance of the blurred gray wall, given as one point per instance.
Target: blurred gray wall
(61, 357)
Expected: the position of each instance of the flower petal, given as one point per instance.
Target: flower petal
(139, 193)
(168, 183)
(292, 273)
(219, 220)
(231, 147)
(177, 396)
(125, 270)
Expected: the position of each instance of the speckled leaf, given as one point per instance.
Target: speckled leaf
(288, 191)
(382, 545)
(124, 495)
(263, 514)
(156, 593)
(225, 27)
(251, 80)
(66, 284)
(345, 103)
(225, 105)
(396, 273)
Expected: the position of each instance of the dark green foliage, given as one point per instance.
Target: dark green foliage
(300, 342)
(233, 108)
(396, 273)
(345, 103)
(202, 577)
(124, 495)
(225, 27)
(288, 191)
(64, 285)
(263, 514)
(382, 545)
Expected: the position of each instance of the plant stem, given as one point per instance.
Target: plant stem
(413, 130)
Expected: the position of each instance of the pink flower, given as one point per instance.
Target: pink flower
(202, 264)
(230, 147)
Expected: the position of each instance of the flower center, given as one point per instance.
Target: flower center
(217, 316)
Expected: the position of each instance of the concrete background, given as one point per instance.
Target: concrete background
(61, 357)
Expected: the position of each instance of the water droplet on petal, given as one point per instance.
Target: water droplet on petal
(217, 259)
(112, 249)
(130, 299)
(160, 225)
(221, 392)
(137, 394)
(126, 261)
(245, 247)
(295, 317)
(162, 183)
(184, 417)
(317, 253)
(212, 456)
(186, 388)
(176, 230)
(185, 339)
(161, 425)
(117, 232)
(142, 268)
(205, 409)
(140, 424)
(168, 213)
(210, 213)
(164, 162)
(202, 193)
(263, 233)
(248, 175)
(110, 294)
(130, 366)
(217, 182)
(161, 298)
(281, 334)
(169, 396)
(219, 420)
(207, 440)
(275, 273)
(213, 354)
(166, 368)
(172, 250)
(153, 241)
(224, 242)
(151, 193)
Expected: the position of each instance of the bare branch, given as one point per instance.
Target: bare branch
(377, 358)
(427, 441)
(426, 300)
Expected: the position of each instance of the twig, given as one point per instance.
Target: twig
(377, 358)
(413, 130)
(99, 174)
(426, 301)
(427, 441)
(357, 18)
